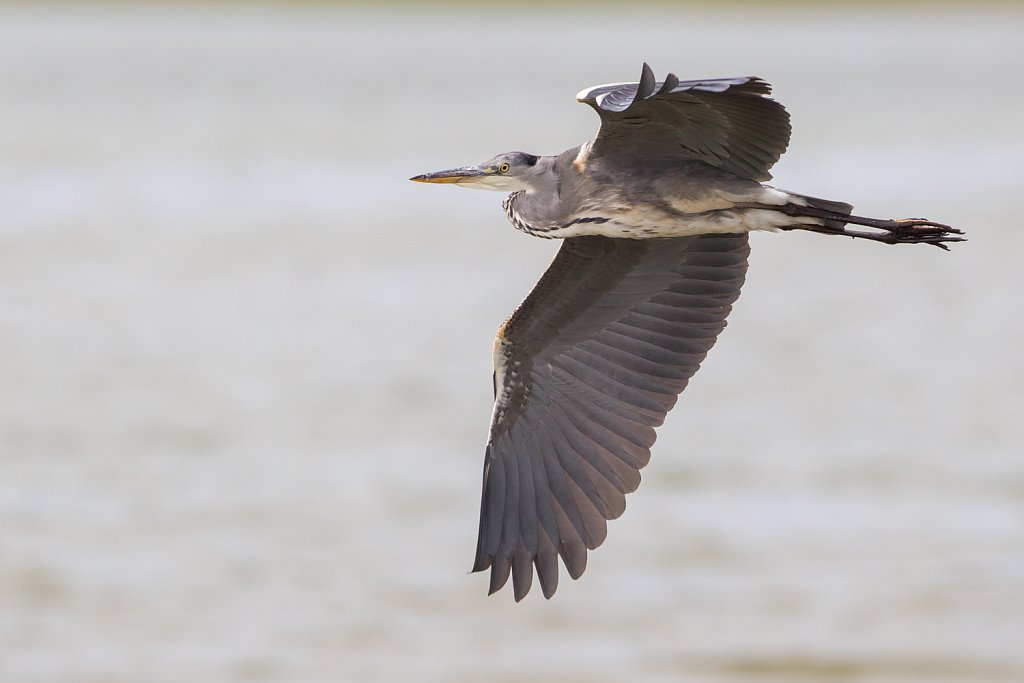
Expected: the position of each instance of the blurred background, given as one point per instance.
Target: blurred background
(245, 364)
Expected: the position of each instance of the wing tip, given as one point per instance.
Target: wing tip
(646, 86)
(522, 575)
(500, 571)
(482, 562)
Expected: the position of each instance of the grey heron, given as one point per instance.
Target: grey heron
(653, 214)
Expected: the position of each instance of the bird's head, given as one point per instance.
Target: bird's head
(509, 172)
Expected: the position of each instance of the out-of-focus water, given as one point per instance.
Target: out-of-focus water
(244, 364)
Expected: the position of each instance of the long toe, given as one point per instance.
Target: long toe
(918, 231)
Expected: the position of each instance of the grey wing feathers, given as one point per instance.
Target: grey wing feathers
(588, 366)
(729, 123)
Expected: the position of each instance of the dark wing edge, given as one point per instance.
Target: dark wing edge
(588, 365)
(729, 123)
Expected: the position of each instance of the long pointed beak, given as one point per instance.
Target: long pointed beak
(455, 175)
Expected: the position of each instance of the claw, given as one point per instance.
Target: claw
(921, 231)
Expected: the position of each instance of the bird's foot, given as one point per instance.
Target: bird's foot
(918, 231)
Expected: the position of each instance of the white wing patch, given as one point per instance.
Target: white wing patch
(587, 94)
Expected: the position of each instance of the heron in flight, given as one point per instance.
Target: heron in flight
(653, 214)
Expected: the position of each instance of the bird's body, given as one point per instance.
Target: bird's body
(654, 215)
(687, 198)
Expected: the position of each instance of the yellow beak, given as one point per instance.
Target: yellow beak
(455, 175)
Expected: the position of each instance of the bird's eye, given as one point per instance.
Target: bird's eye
(503, 168)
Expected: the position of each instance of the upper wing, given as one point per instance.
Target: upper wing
(727, 122)
(585, 369)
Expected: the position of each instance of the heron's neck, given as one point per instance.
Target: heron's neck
(538, 209)
(516, 218)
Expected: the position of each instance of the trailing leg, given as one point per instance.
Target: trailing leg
(890, 231)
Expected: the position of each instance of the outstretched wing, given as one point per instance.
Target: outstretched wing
(585, 369)
(729, 123)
